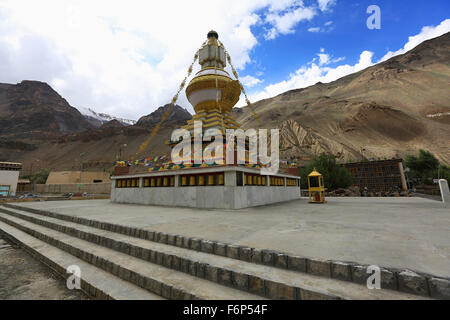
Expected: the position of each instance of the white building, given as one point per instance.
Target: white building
(9, 176)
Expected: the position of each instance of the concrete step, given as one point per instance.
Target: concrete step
(95, 282)
(156, 279)
(266, 281)
(403, 280)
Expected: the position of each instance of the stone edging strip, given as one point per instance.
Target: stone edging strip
(86, 287)
(152, 285)
(391, 278)
(241, 281)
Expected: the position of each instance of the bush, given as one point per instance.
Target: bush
(334, 175)
(39, 177)
(425, 167)
(444, 172)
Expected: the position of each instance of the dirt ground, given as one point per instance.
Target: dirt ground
(24, 278)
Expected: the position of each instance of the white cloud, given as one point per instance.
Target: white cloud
(250, 81)
(314, 72)
(426, 33)
(323, 59)
(326, 59)
(285, 16)
(314, 29)
(319, 71)
(127, 58)
(327, 27)
(325, 5)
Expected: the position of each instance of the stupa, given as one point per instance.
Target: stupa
(213, 93)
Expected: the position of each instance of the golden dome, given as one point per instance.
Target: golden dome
(212, 87)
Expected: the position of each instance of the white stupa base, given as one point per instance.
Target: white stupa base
(227, 196)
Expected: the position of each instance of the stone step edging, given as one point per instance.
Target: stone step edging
(152, 285)
(403, 280)
(236, 280)
(87, 288)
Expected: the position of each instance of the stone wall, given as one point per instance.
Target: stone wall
(225, 187)
(72, 177)
(91, 188)
(225, 197)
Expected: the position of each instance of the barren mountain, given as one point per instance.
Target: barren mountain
(100, 146)
(392, 108)
(97, 119)
(112, 124)
(177, 113)
(32, 109)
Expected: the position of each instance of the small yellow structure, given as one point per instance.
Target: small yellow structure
(316, 188)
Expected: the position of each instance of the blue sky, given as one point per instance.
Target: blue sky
(129, 58)
(347, 36)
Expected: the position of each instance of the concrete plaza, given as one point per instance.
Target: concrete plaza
(412, 233)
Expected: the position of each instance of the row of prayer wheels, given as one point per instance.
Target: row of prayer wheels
(202, 180)
(159, 182)
(127, 183)
(254, 180)
(148, 182)
(276, 181)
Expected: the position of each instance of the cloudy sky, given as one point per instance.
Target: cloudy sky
(127, 58)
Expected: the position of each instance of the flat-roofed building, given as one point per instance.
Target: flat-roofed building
(72, 177)
(24, 185)
(9, 176)
(378, 176)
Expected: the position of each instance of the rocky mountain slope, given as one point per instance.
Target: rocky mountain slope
(390, 109)
(176, 114)
(100, 145)
(97, 119)
(34, 109)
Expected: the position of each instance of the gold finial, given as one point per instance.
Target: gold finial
(213, 34)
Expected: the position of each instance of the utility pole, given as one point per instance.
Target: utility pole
(81, 165)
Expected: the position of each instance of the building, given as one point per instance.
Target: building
(378, 176)
(213, 94)
(73, 177)
(9, 176)
(24, 185)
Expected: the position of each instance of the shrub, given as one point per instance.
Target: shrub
(334, 175)
(39, 177)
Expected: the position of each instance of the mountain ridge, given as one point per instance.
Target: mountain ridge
(380, 112)
(383, 109)
(97, 119)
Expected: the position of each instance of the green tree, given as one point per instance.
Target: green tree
(424, 167)
(334, 175)
(444, 172)
(39, 177)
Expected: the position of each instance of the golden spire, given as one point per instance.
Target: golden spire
(212, 92)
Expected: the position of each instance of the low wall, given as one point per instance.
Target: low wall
(91, 188)
(223, 197)
(72, 177)
(223, 187)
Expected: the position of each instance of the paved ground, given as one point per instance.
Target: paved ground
(24, 278)
(393, 232)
